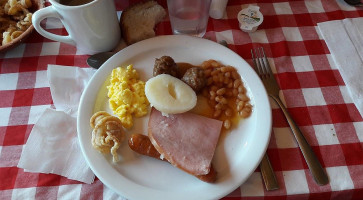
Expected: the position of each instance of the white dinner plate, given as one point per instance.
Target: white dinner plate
(140, 177)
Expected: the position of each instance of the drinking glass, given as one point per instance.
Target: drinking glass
(189, 17)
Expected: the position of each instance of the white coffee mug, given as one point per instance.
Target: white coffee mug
(92, 27)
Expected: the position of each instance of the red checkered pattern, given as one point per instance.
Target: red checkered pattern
(312, 88)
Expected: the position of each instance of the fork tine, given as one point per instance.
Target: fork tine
(267, 64)
(257, 53)
(261, 63)
(253, 59)
(256, 63)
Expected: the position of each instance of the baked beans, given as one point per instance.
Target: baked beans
(226, 92)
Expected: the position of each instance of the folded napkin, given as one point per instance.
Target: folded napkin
(52, 146)
(344, 39)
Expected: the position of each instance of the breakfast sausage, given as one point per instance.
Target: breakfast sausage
(142, 145)
(165, 65)
(195, 78)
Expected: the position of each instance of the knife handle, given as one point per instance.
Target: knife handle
(268, 174)
(319, 175)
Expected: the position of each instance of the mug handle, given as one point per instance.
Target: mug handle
(49, 12)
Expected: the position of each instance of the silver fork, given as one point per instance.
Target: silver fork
(263, 69)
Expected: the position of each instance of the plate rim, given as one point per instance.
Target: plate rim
(145, 44)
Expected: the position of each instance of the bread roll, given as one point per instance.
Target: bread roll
(138, 21)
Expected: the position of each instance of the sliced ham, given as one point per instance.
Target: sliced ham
(186, 140)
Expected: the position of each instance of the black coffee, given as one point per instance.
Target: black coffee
(74, 2)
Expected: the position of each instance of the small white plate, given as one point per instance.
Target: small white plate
(140, 177)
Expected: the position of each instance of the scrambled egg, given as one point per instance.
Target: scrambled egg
(127, 95)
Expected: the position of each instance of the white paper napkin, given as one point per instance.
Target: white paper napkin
(344, 39)
(52, 146)
(66, 86)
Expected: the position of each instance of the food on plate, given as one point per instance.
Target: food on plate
(165, 65)
(126, 94)
(186, 140)
(15, 18)
(226, 92)
(177, 132)
(170, 95)
(220, 84)
(195, 78)
(107, 133)
(141, 144)
(138, 21)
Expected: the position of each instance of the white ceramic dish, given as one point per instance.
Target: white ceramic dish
(140, 177)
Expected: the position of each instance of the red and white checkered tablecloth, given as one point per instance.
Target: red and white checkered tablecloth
(312, 89)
